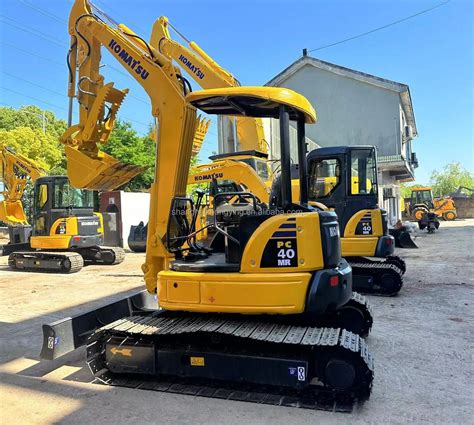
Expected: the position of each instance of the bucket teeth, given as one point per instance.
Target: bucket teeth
(202, 126)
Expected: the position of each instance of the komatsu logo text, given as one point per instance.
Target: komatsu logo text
(128, 59)
(205, 177)
(192, 67)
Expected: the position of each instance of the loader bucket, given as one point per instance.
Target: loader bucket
(88, 170)
(12, 212)
(403, 239)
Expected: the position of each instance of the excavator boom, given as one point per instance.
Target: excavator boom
(15, 171)
(206, 72)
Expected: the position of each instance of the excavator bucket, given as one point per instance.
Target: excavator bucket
(87, 166)
(12, 212)
(98, 171)
(403, 239)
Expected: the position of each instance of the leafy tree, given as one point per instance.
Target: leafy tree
(34, 144)
(127, 146)
(32, 116)
(22, 130)
(450, 178)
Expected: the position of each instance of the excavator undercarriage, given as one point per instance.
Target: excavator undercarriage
(258, 360)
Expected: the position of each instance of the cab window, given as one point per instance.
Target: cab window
(423, 196)
(324, 178)
(262, 170)
(65, 196)
(363, 172)
(41, 196)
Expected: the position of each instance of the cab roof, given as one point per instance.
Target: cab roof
(252, 101)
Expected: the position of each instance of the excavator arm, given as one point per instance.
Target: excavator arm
(89, 167)
(237, 171)
(15, 172)
(208, 74)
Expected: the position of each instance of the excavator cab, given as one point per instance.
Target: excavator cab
(345, 179)
(54, 199)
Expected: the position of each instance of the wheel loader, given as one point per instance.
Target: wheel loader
(269, 315)
(422, 201)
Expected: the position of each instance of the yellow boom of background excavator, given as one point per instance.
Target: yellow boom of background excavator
(15, 172)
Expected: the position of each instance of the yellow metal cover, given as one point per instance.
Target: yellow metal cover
(98, 172)
(252, 101)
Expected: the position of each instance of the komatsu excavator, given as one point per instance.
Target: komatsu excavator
(270, 315)
(384, 277)
(335, 182)
(65, 231)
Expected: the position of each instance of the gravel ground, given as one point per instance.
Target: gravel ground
(422, 342)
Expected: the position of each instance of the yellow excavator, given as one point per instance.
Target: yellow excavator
(272, 313)
(65, 231)
(335, 181)
(384, 275)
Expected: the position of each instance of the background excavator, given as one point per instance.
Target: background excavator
(270, 311)
(65, 231)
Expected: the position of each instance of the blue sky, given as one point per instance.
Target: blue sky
(432, 53)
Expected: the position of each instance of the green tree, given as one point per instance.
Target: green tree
(33, 133)
(450, 178)
(126, 145)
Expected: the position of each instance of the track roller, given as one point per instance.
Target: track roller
(41, 261)
(109, 255)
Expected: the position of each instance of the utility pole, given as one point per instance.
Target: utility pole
(41, 115)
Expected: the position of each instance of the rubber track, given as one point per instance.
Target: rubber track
(119, 253)
(373, 267)
(364, 305)
(162, 323)
(77, 262)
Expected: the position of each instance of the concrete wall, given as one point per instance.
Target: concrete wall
(350, 112)
(464, 207)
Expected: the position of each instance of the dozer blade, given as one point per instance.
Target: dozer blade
(403, 239)
(87, 170)
(12, 212)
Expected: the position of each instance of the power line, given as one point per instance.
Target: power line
(116, 13)
(43, 12)
(40, 34)
(61, 64)
(31, 53)
(380, 28)
(33, 84)
(33, 98)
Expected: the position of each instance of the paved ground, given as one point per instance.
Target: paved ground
(422, 341)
